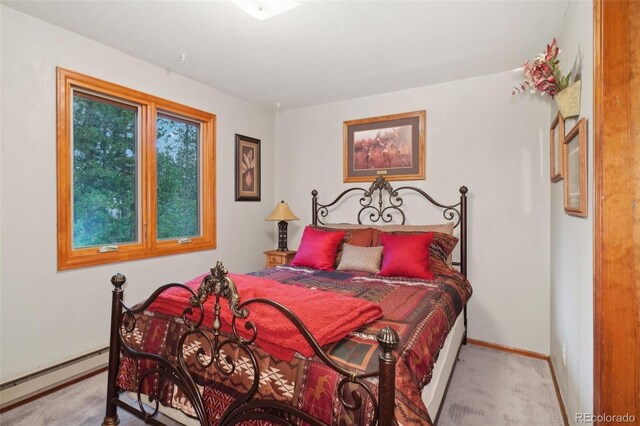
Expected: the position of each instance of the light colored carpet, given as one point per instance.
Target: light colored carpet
(79, 404)
(488, 388)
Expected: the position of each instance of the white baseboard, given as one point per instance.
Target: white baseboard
(36, 383)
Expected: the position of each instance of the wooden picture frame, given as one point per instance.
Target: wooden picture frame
(575, 170)
(390, 145)
(556, 142)
(248, 169)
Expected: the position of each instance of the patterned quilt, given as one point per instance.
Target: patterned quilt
(422, 312)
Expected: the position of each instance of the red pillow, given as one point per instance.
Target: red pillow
(406, 255)
(355, 236)
(318, 249)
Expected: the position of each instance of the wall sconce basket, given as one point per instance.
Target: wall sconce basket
(568, 100)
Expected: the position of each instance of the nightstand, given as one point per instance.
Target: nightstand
(276, 257)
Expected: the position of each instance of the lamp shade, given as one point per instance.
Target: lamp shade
(282, 212)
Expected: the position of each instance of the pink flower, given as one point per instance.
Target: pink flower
(543, 75)
(552, 51)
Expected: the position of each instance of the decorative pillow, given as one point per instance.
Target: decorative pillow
(406, 255)
(318, 249)
(445, 228)
(438, 266)
(356, 237)
(444, 241)
(442, 246)
(344, 226)
(361, 259)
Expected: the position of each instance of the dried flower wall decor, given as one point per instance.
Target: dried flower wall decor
(544, 76)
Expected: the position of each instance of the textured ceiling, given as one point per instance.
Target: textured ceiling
(321, 51)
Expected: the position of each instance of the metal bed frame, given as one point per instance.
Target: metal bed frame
(219, 286)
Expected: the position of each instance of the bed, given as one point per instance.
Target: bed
(208, 348)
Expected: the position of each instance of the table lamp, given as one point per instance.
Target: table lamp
(282, 213)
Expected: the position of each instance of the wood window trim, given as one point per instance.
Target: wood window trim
(148, 245)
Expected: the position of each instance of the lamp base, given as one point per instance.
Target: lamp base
(282, 235)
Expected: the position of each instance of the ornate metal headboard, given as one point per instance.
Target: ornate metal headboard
(381, 202)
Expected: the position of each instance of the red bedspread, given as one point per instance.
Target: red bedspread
(328, 316)
(422, 312)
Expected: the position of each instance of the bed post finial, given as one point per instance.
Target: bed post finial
(118, 281)
(111, 413)
(314, 207)
(388, 339)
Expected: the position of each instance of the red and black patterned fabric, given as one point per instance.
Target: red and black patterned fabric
(422, 312)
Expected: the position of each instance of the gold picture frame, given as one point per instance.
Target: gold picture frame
(390, 145)
(575, 170)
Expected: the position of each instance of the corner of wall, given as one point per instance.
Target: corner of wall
(1, 180)
(572, 238)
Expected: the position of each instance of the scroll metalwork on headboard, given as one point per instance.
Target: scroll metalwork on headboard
(381, 203)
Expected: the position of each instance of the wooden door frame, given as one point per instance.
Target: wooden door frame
(616, 225)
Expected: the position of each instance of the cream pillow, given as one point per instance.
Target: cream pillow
(360, 259)
(445, 228)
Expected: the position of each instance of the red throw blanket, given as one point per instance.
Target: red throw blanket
(329, 316)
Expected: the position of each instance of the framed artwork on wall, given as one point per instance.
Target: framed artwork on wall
(575, 170)
(248, 169)
(390, 145)
(556, 139)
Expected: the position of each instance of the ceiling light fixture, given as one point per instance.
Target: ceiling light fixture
(265, 9)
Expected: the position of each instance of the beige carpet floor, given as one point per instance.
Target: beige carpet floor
(488, 388)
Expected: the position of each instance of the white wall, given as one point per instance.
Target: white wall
(1, 10)
(572, 238)
(477, 135)
(46, 315)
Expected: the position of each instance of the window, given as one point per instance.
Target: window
(177, 158)
(136, 174)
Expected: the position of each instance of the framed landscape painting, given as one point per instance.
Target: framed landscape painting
(247, 168)
(390, 145)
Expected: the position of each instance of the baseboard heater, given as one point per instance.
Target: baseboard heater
(29, 385)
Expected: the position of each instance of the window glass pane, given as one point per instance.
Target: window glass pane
(104, 171)
(177, 148)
